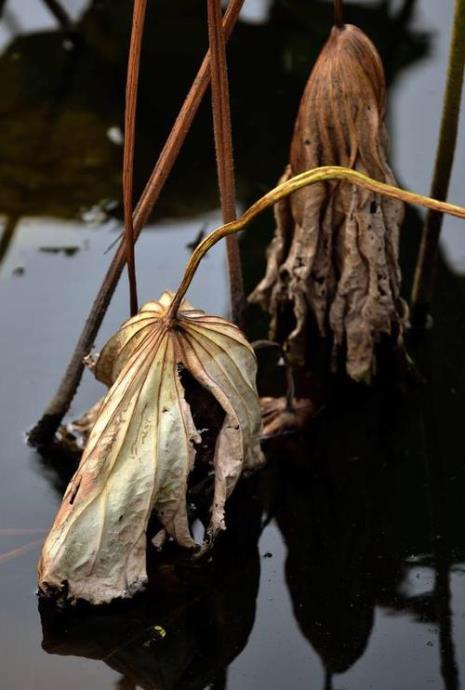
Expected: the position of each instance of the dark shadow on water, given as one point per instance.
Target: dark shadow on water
(378, 479)
(335, 492)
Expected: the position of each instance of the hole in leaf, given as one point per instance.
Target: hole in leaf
(74, 492)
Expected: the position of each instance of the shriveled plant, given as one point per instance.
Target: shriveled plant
(142, 445)
(333, 269)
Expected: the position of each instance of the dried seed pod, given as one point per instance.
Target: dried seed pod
(142, 448)
(332, 266)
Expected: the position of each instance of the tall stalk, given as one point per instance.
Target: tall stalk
(45, 429)
(423, 285)
(129, 143)
(224, 152)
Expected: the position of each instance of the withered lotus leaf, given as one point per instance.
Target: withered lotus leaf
(142, 448)
(333, 263)
(279, 417)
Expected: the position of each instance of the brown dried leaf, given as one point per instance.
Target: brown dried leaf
(279, 417)
(84, 425)
(141, 449)
(333, 261)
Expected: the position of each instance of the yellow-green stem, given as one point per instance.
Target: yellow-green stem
(309, 177)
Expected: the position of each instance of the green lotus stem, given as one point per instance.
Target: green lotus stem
(423, 284)
(309, 177)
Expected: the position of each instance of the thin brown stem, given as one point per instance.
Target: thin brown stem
(224, 151)
(46, 427)
(129, 143)
(423, 285)
(338, 14)
(181, 127)
(309, 177)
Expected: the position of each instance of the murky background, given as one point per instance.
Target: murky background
(345, 565)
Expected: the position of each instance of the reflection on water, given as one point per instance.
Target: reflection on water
(26, 16)
(190, 624)
(344, 564)
(255, 11)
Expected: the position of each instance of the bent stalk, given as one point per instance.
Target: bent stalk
(423, 285)
(309, 177)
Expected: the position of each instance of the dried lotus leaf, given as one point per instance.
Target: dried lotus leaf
(142, 448)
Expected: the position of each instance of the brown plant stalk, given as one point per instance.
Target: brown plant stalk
(46, 427)
(129, 143)
(338, 13)
(224, 151)
(423, 285)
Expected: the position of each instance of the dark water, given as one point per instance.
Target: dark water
(344, 565)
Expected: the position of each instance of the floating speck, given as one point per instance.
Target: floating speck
(159, 631)
(115, 135)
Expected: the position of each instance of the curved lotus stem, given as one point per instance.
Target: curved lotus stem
(309, 177)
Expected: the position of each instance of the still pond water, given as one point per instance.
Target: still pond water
(345, 563)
